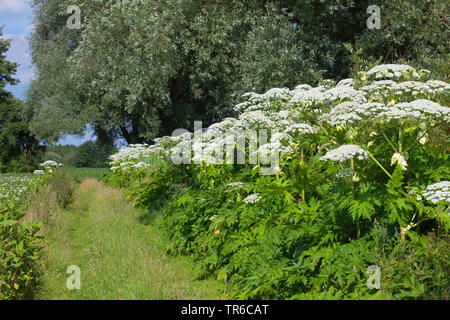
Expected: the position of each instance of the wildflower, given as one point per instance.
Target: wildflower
(141, 165)
(236, 186)
(38, 172)
(424, 138)
(392, 71)
(438, 192)
(397, 157)
(253, 198)
(300, 128)
(50, 164)
(346, 173)
(345, 152)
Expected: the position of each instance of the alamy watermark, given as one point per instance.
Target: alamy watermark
(74, 281)
(74, 21)
(374, 21)
(374, 281)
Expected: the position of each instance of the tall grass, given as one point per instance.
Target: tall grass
(119, 257)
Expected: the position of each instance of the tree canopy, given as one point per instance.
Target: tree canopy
(18, 145)
(139, 69)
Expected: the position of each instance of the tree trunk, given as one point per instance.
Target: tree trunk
(25, 158)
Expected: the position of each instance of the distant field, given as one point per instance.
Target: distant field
(80, 174)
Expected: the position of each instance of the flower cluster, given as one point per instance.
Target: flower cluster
(253, 198)
(385, 94)
(49, 164)
(345, 152)
(392, 71)
(438, 192)
(400, 159)
(232, 186)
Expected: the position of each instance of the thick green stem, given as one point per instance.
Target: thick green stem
(379, 164)
(358, 227)
(389, 141)
(303, 185)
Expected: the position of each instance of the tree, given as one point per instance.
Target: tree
(18, 148)
(415, 32)
(140, 69)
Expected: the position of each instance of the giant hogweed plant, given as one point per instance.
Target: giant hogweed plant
(357, 158)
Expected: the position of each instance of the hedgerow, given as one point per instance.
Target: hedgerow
(362, 180)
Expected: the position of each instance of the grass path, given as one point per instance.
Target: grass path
(119, 257)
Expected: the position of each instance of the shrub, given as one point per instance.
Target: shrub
(20, 246)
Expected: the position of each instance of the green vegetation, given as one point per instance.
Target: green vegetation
(362, 179)
(79, 174)
(18, 147)
(19, 241)
(20, 247)
(88, 155)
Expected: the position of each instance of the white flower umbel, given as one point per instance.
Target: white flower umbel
(50, 164)
(300, 128)
(38, 172)
(345, 93)
(349, 113)
(393, 71)
(345, 83)
(253, 198)
(398, 158)
(420, 109)
(236, 186)
(141, 165)
(438, 192)
(345, 152)
(256, 119)
(308, 96)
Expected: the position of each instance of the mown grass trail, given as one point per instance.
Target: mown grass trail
(119, 257)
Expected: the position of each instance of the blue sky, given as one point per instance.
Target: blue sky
(16, 18)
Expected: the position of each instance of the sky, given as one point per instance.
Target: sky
(16, 18)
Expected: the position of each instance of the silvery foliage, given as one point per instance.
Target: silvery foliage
(438, 192)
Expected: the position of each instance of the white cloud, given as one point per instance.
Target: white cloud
(14, 5)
